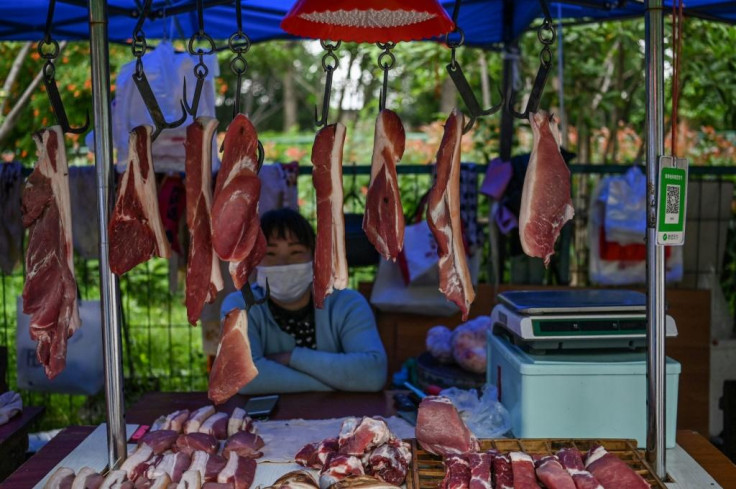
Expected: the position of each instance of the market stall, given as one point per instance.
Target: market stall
(262, 23)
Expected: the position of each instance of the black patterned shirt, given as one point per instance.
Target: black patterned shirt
(299, 323)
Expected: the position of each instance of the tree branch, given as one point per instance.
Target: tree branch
(13, 75)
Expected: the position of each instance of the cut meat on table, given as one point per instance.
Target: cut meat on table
(245, 444)
(233, 368)
(236, 229)
(215, 425)
(338, 467)
(522, 466)
(552, 474)
(237, 421)
(390, 461)
(199, 464)
(570, 459)
(159, 440)
(191, 479)
(195, 420)
(330, 259)
(584, 479)
(314, 455)
(383, 221)
(503, 474)
(175, 421)
(480, 470)
(172, 464)
(611, 471)
(440, 430)
(239, 471)
(545, 200)
(62, 478)
(116, 480)
(457, 473)
(136, 232)
(204, 279)
(50, 289)
(132, 464)
(443, 218)
(87, 478)
(192, 442)
(359, 437)
(215, 463)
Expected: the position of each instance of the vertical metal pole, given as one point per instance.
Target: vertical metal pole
(655, 254)
(109, 287)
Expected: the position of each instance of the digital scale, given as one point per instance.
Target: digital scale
(574, 319)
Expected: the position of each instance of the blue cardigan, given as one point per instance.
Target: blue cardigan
(349, 356)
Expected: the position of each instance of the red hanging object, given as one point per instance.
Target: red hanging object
(367, 20)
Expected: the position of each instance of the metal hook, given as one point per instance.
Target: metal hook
(322, 121)
(466, 93)
(532, 105)
(149, 99)
(55, 98)
(192, 110)
(250, 299)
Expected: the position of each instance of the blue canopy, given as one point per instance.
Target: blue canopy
(483, 21)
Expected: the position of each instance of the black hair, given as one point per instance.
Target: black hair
(283, 222)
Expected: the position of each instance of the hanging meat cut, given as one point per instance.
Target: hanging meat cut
(330, 260)
(204, 279)
(236, 229)
(383, 221)
(443, 217)
(136, 232)
(545, 200)
(50, 289)
(233, 367)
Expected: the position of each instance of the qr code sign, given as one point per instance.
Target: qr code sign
(672, 211)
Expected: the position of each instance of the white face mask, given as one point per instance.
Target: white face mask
(286, 283)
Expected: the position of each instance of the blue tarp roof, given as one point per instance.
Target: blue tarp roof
(482, 20)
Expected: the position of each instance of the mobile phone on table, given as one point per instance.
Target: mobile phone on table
(262, 406)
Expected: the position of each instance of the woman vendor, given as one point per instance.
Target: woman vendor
(295, 346)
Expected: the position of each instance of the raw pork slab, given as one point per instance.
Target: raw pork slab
(203, 279)
(545, 200)
(611, 471)
(236, 228)
(383, 221)
(330, 259)
(233, 367)
(443, 218)
(136, 232)
(440, 430)
(50, 289)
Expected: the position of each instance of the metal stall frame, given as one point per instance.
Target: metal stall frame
(110, 291)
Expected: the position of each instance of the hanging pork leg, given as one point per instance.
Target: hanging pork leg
(443, 217)
(545, 201)
(233, 367)
(50, 289)
(330, 261)
(204, 279)
(136, 232)
(236, 229)
(383, 221)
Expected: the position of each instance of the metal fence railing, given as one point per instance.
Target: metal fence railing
(163, 352)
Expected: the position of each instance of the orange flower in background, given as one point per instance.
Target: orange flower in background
(71, 87)
(35, 56)
(23, 153)
(88, 83)
(223, 88)
(269, 150)
(295, 153)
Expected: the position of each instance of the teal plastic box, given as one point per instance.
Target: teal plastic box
(577, 394)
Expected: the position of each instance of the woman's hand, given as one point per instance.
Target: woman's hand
(284, 357)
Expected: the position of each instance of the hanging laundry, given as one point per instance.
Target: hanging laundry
(85, 223)
(11, 224)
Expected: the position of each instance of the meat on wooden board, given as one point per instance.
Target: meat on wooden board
(443, 217)
(546, 204)
(136, 232)
(503, 474)
(552, 474)
(236, 230)
(440, 430)
(480, 470)
(522, 466)
(203, 279)
(457, 472)
(383, 221)
(611, 471)
(233, 368)
(330, 259)
(50, 289)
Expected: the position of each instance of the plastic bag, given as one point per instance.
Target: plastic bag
(469, 344)
(439, 343)
(484, 416)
